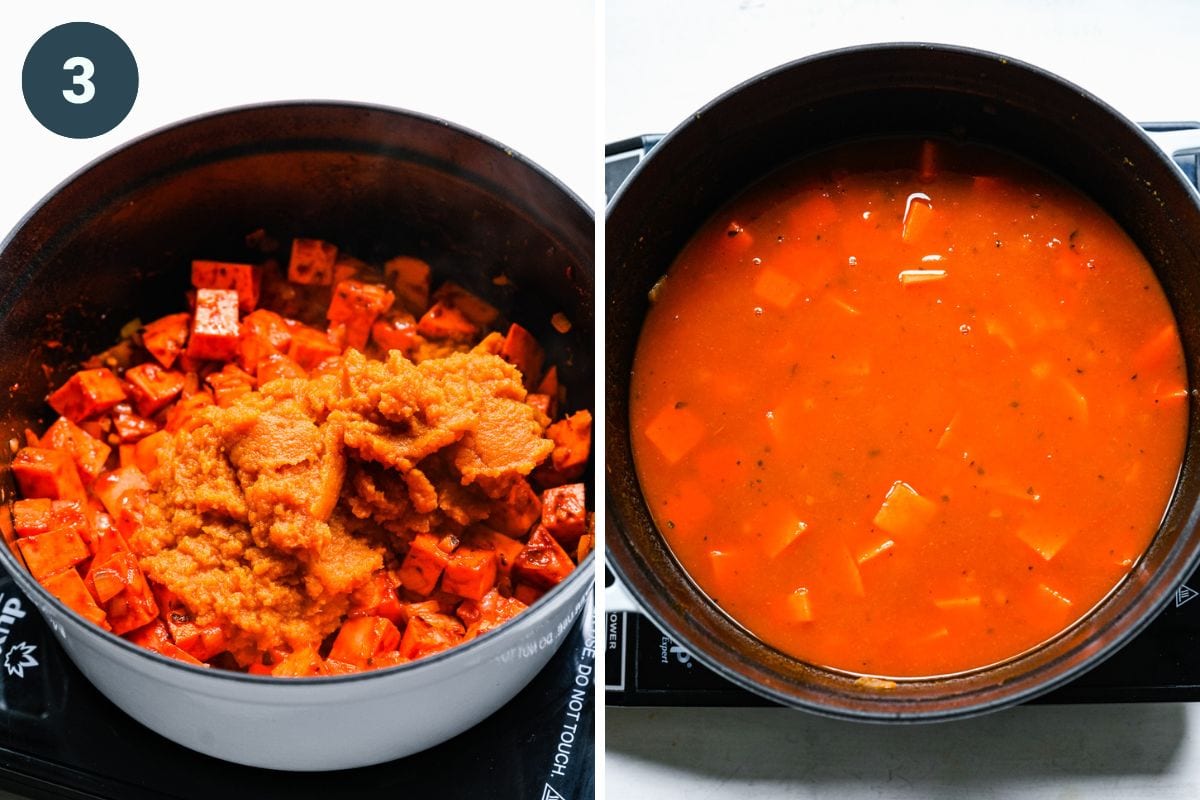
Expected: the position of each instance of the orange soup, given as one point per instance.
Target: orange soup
(908, 408)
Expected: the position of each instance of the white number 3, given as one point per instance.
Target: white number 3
(84, 89)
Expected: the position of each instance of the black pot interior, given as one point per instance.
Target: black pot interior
(863, 93)
(116, 242)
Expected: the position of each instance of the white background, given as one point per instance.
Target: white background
(663, 62)
(521, 72)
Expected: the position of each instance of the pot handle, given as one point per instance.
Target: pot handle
(1179, 142)
(617, 599)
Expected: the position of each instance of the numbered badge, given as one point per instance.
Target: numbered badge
(80, 80)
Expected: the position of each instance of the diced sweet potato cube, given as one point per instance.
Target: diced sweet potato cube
(107, 577)
(68, 587)
(410, 278)
(165, 338)
(675, 430)
(490, 611)
(527, 593)
(360, 638)
(800, 605)
(145, 452)
(215, 333)
(1046, 540)
(423, 564)
(153, 636)
(87, 393)
(303, 663)
(470, 573)
(47, 473)
(506, 548)
(523, 351)
(34, 516)
(564, 513)
(312, 262)
(378, 598)
(263, 333)
(586, 544)
(229, 384)
(479, 311)
(310, 347)
(542, 562)
(179, 414)
(874, 549)
(131, 427)
(444, 321)
(276, 366)
(244, 279)
(356, 305)
(572, 439)
(426, 634)
(519, 511)
(959, 603)
(904, 511)
(88, 452)
(396, 331)
(549, 383)
(52, 551)
(134, 605)
(123, 492)
(153, 388)
(126, 455)
(775, 288)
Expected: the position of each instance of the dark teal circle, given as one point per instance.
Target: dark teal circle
(114, 78)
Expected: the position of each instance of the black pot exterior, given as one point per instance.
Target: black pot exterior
(871, 92)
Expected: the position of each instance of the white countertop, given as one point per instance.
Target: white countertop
(665, 60)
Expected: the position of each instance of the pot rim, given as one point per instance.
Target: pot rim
(39, 595)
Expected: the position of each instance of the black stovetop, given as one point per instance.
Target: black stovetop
(646, 667)
(59, 737)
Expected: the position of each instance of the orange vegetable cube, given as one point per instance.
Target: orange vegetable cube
(396, 331)
(145, 452)
(572, 439)
(523, 351)
(480, 312)
(586, 544)
(410, 278)
(542, 563)
(904, 511)
(312, 262)
(491, 610)
(276, 366)
(165, 338)
(53, 551)
(68, 587)
(179, 414)
(423, 564)
(430, 633)
(444, 321)
(776, 288)
(131, 427)
(303, 663)
(675, 430)
(527, 594)
(521, 509)
(263, 333)
(506, 548)
(134, 606)
(310, 347)
(378, 598)
(229, 384)
(88, 452)
(356, 305)
(360, 638)
(244, 279)
(564, 513)
(153, 636)
(1047, 540)
(470, 573)
(215, 333)
(33, 516)
(47, 473)
(123, 492)
(87, 393)
(153, 388)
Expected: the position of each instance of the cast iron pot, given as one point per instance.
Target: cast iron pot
(862, 93)
(115, 242)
